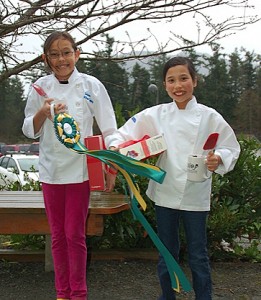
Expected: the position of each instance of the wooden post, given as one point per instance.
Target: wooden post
(48, 254)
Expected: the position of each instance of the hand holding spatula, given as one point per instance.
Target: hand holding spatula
(212, 160)
(61, 105)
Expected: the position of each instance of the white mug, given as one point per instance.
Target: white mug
(197, 168)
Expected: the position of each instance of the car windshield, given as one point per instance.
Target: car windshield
(29, 164)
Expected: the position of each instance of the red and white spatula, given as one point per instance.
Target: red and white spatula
(211, 141)
(39, 90)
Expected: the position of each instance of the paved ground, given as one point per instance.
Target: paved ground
(126, 280)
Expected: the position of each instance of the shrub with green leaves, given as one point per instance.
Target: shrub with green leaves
(236, 199)
(235, 209)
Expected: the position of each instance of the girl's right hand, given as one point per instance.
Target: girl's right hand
(46, 108)
(43, 113)
(58, 108)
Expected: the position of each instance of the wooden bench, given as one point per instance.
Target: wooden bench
(23, 212)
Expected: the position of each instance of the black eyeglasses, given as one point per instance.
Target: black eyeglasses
(56, 55)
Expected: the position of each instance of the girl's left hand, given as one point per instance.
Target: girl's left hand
(110, 180)
(111, 174)
(213, 161)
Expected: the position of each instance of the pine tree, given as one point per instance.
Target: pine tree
(112, 74)
(12, 110)
(216, 90)
(140, 78)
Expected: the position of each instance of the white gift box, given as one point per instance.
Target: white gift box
(144, 148)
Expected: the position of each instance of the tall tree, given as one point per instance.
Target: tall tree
(112, 74)
(156, 67)
(12, 110)
(235, 76)
(248, 114)
(248, 72)
(216, 90)
(248, 110)
(140, 79)
(22, 21)
(258, 76)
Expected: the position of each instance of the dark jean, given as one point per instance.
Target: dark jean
(194, 222)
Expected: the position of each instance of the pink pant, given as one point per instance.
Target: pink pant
(67, 208)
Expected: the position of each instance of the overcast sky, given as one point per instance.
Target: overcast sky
(249, 38)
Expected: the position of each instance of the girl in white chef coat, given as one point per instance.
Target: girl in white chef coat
(63, 173)
(185, 124)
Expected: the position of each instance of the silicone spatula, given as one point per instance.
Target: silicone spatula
(211, 141)
(39, 90)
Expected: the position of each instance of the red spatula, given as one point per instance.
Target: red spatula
(39, 90)
(211, 141)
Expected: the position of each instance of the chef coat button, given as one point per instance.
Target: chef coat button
(78, 85)
(78, 104)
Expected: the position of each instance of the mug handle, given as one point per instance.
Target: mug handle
(52, 110)
(208, 173)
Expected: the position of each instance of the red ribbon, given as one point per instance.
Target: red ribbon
(128, 143)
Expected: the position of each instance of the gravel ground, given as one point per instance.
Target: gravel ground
(126, 280)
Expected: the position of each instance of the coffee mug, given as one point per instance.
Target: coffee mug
(197, 168)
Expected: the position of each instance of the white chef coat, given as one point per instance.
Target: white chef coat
(86, 97)
(185, 132)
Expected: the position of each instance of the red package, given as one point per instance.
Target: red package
(96, 168)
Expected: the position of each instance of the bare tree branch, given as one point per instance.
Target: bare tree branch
(91, 20)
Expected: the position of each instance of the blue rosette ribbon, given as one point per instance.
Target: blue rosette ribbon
(68, 133)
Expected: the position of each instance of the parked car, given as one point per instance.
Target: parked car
(9, 149)
(7, 177)
(34, 148)
(25, 167)
(23, 148)
(1, 145)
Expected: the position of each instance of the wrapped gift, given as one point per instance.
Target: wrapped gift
(96, 168)
(144, 148)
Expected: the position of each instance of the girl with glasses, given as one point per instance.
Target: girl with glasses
(64, 173)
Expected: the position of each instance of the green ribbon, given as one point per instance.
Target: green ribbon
(68, 134)
(176, 274)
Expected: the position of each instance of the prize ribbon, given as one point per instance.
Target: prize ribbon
(67, 132)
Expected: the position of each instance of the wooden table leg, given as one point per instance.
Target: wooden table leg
(48, 254)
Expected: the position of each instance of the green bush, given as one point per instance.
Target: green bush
(235, 210)
(24, 242)
(236, 206)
